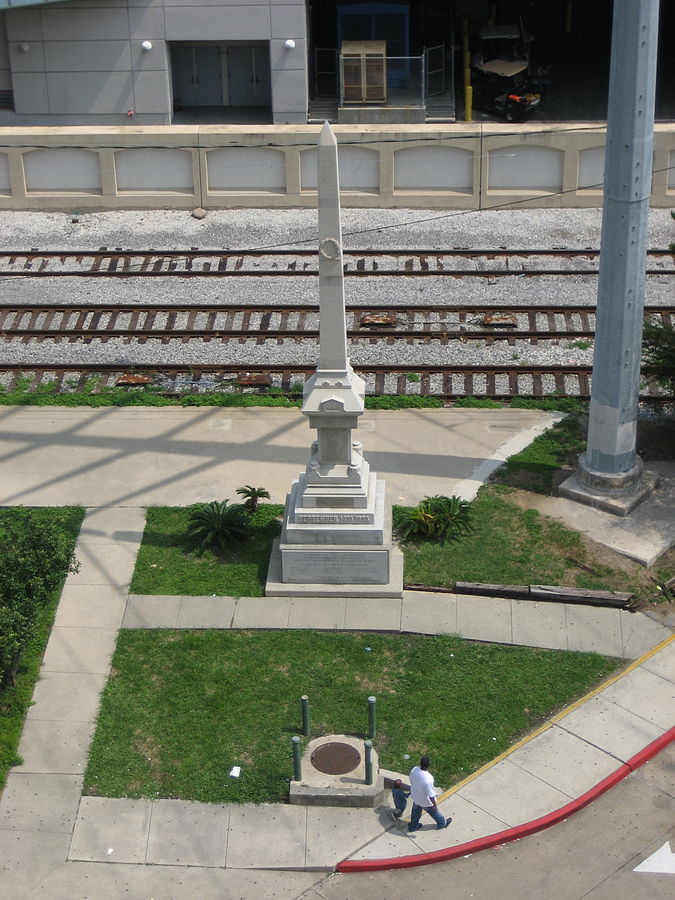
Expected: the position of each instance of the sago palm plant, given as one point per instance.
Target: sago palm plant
(217, 524)
(252, 496)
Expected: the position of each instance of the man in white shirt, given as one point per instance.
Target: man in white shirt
(423, 796)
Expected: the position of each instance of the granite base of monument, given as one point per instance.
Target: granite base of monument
(343, 563)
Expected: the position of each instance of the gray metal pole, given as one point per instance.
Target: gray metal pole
(305, 715)
(369, 762)
(297, 760)
(372, 717)
(610, 465)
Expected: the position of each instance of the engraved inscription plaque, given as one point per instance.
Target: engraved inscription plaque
(335, 518)
(335, 566)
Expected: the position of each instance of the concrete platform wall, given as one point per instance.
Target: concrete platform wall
(455, 166)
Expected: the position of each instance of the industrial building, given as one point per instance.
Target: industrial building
(164, 62)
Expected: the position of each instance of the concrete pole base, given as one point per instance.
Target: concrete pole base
(617, 494)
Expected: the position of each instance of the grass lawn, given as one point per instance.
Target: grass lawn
(182, 707)
(510, 545)
(15, 699)
(513, 545)
(168, 562)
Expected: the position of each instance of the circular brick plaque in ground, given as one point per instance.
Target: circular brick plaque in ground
(335, 758)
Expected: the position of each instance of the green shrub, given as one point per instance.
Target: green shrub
(478, 403)
(658, 344)
(217, 524)
(252, 496)
(409, 401)
(444, 519)
(35, 555)
(551, 404)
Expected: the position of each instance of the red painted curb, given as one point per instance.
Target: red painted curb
(519, 831)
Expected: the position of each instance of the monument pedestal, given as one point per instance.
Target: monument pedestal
(332, 559)
(335, 551)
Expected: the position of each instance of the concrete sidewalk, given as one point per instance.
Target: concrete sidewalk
(53, 841)
(141, 456)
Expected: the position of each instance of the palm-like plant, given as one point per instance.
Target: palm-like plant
(252, 496)
(442, 518)
(217, 523)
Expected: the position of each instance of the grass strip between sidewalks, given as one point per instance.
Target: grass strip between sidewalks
(182, 707)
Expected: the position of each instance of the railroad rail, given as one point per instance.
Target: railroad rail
(455, 262)
(445, 382)
(261, 322)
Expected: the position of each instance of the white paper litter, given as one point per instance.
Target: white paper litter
(235, 771)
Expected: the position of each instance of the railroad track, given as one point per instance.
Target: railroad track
(455, 263)
(444, 382)
(38, 322)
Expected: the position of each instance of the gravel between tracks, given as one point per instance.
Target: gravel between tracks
(250, 228)
(162, 229)
(575, 290)
(249, 353)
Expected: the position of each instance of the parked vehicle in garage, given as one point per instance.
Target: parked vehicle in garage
(500, 73)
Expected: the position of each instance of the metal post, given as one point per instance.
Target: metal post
(468, 103)
(369, 762)
(305, 715)
(372, 717)
(297, 763)
(609, 474)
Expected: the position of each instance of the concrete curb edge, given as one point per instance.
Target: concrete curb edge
(519, 831)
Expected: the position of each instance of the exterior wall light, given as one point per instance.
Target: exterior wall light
(147, 45)
(289, 44)
(24, 47)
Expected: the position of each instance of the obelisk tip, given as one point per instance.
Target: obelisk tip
(327, 135)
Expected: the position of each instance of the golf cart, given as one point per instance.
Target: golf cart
(500, 73)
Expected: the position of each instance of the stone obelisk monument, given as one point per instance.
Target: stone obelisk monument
(336, 537)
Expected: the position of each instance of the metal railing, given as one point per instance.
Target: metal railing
(372, 80)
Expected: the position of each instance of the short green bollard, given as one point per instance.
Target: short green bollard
(369, 762)
(372, 718)
(297, 764)
(305, 715)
